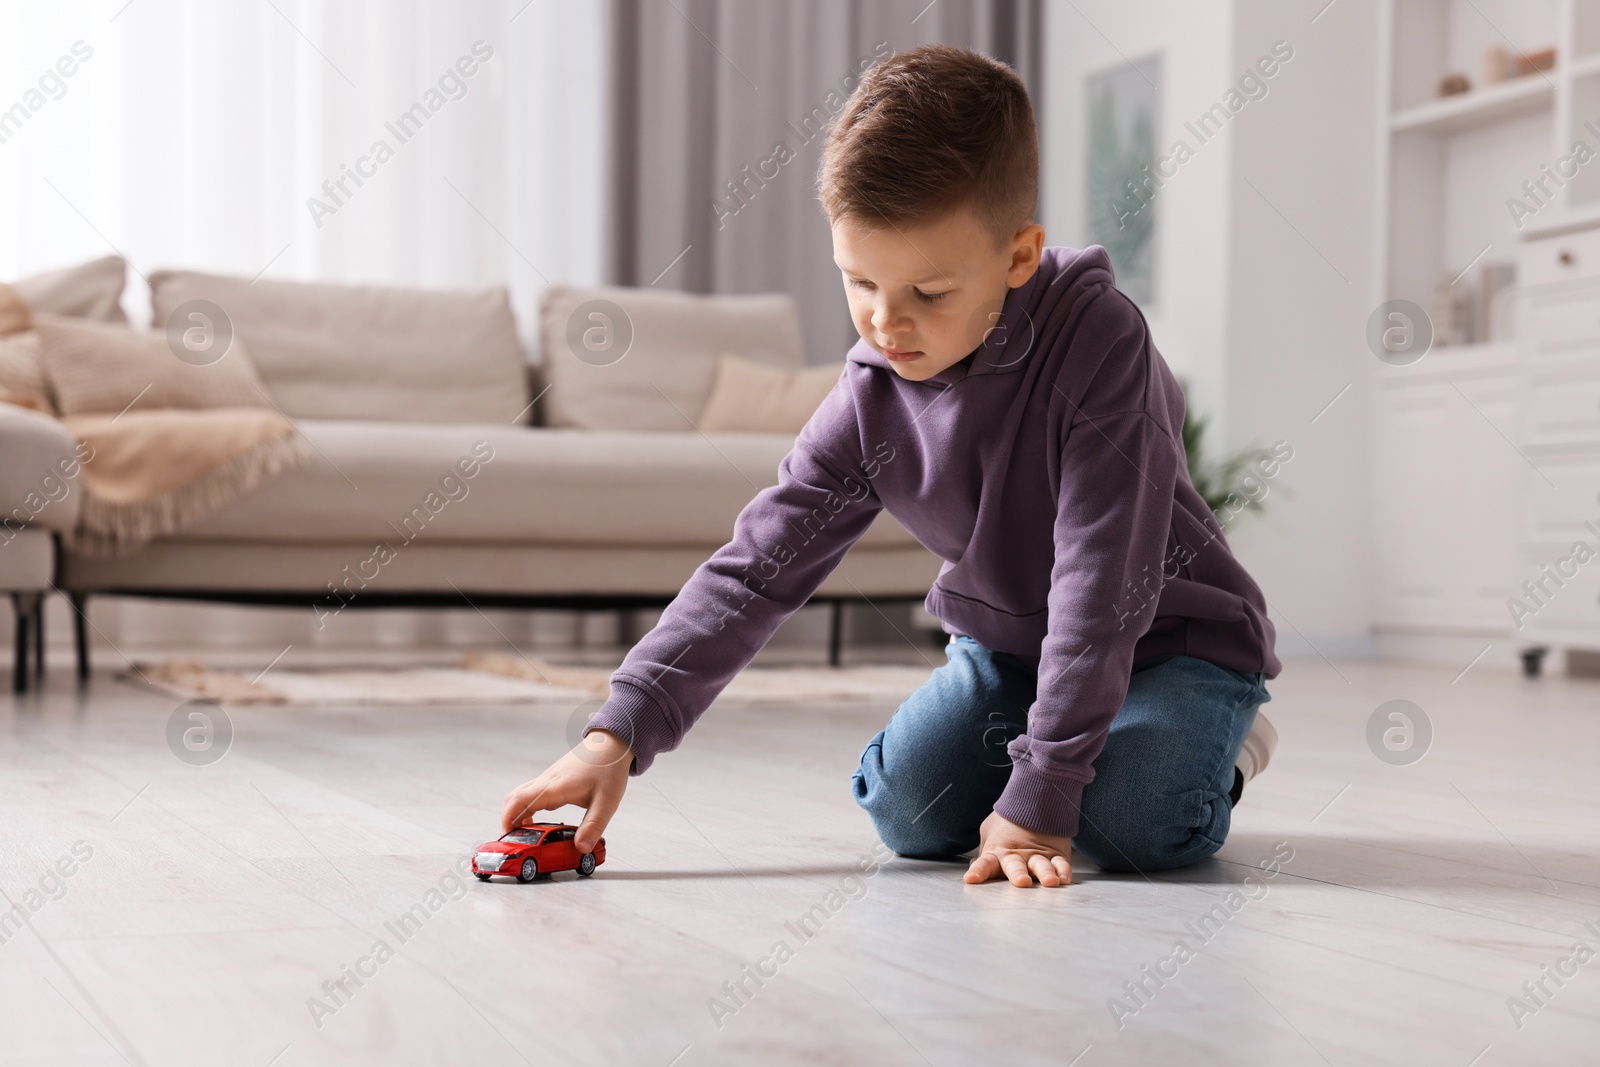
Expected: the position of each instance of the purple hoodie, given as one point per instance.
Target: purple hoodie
(1047, 470)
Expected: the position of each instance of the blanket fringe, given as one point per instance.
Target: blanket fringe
(105, 528)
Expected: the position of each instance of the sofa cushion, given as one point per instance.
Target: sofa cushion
(99, 368)
(750, 396)
(22, 377)
(91, 290)
(440, 484)
(363, 352)
(643, 359)
(15, 314)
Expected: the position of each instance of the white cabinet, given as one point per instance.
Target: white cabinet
(1557, 600)
(1447, 544)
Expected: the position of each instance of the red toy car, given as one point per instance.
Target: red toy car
(529, 851)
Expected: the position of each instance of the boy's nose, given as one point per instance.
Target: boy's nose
(884, 320)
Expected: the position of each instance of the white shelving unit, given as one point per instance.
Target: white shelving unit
(1527, 95)
(1451, 455)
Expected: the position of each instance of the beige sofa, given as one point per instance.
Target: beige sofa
(589, 485)
(38, 464)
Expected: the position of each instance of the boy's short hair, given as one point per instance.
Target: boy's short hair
(930, 130)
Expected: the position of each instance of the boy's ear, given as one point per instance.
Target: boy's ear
(1026, 248)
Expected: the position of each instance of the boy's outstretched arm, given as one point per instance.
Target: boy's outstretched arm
(593, 776)
(786, 541)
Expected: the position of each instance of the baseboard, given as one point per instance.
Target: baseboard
(1293, 645)
(1447, 649)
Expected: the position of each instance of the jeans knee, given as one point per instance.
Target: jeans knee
(1153, 833)
(1138, 853)
(909, 823)
(920, 838)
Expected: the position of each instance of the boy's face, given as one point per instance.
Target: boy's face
(924, 295)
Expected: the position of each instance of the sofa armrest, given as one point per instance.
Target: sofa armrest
(38, 478)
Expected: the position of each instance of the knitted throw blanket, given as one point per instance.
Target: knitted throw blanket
(150, 473)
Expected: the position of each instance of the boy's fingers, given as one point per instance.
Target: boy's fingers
(596, 818)
(1016, 870)
(523, 801)
(1039, 865)
(982, 869)
(1020, 868)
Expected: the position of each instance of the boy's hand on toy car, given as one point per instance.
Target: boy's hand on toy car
(592, 776)
(1020, 855)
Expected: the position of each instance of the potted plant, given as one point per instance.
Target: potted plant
(1222, 483)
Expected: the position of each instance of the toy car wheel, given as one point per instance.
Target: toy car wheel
(483, 877)
(586, 865)
(529, 870)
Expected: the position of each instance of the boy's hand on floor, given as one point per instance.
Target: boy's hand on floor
(592, 776)
(1020, 854)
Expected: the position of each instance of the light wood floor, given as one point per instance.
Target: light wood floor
(218, 900)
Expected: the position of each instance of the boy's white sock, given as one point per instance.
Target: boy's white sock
(1256, 752)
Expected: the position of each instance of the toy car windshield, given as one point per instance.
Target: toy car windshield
(524, 837)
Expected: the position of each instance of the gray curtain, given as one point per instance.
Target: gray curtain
(703, 92)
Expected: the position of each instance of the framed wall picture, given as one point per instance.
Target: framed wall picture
(1122, 210)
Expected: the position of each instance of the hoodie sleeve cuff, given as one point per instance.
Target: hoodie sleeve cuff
(1047, 803)
(634, 716)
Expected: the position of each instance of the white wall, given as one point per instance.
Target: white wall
(1248, 309)
(1301, 275)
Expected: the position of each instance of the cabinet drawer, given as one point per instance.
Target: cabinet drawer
(1572, 605)
(1563, 258)
(1554, 511)
(1564, 322)
(1563, 407)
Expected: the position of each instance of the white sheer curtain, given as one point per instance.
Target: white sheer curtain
(197, 130)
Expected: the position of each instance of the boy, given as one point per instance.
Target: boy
(1006, 404)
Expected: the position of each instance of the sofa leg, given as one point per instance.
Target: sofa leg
(23, 616)
(29, 610)
(80, 633)
(38, 638)
(39, 635)
(835, 631)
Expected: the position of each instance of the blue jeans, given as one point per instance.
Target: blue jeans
(1159, 798)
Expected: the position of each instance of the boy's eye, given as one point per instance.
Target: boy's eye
(927, 298)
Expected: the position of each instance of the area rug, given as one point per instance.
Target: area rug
(496, 678)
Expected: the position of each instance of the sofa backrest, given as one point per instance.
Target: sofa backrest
(617, 358)
(364, 352)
